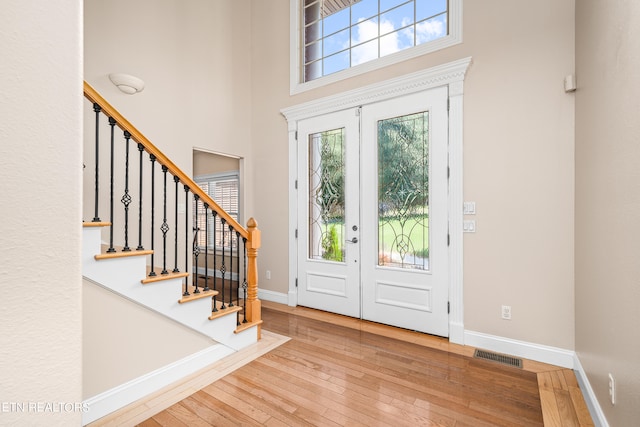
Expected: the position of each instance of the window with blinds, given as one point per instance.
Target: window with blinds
(224, 189)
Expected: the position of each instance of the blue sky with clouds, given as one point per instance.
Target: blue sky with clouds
(374, 28)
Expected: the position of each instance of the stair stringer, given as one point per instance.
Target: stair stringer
(123, 275)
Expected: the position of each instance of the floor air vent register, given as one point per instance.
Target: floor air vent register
(498, 358)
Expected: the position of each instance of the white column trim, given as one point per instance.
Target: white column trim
(292, 296)
(456, 261)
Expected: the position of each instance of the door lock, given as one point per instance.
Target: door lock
(354, 228)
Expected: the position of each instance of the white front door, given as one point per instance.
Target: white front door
(328, 213)
(372, 212)
(404, 199)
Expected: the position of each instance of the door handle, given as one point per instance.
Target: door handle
(354, 240)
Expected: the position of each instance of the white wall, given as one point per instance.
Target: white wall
(518, 159)
(195, 63)
(123, 340)
(40, 169)
(608, 202)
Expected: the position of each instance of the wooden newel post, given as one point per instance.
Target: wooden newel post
(254, 311)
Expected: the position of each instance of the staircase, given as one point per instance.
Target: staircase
(141, 203)
(126, 274)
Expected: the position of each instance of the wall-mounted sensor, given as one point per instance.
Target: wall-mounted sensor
(570, 83)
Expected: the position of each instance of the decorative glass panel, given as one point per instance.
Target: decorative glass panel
(403, 192)
(326, 195)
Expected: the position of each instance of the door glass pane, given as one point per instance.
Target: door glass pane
(403, 192)
(326, 195)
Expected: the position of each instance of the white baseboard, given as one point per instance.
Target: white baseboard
(589, 395)
(456, 333)
(272, 296)
(541, 353)
(121, 396)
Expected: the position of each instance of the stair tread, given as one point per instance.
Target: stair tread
(245, 326)
(224, 311)
(159, 277)
(202, 294)
(119, 253)
(96, 224)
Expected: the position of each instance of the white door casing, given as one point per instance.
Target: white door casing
(450, 75)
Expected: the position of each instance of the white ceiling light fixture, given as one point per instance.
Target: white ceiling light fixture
(127, 83)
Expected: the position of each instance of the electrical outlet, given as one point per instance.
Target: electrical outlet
(612, 389)
(268, 274)
(506, 312)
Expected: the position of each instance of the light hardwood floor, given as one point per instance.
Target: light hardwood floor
(337, 370)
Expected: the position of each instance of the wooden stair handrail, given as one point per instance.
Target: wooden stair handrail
(92, 95)
(251, 233)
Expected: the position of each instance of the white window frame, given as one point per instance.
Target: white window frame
(218, 177)
(297, 86)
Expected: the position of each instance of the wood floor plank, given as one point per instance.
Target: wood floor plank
(150, 423)
(236, 402)
(550, 413)
(342, 374)
(580, 406)
(166, 419)
(182, 413)
(566, 410)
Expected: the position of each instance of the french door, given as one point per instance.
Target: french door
(372, 212)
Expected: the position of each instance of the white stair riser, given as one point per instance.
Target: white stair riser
(123, 275)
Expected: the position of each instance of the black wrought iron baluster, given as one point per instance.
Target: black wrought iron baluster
(112, 124)
(97, 110)
(230, 266)
(196, 248)
(164, 227)
(244, 279)
(175, 252)
(206, 247)
(152, 273)
(140, 247)
(186, 241)
(237, 274)
(215, 260)
(223, 268)
(126, 198)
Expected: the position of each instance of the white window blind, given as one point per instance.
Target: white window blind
(224, 190)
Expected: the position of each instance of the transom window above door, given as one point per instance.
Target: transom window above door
(341, 38)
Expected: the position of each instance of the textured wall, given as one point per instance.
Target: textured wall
(40, 167)
(608, 202)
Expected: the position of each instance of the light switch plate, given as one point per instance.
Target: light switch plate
(469, 208)
(469, 226)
